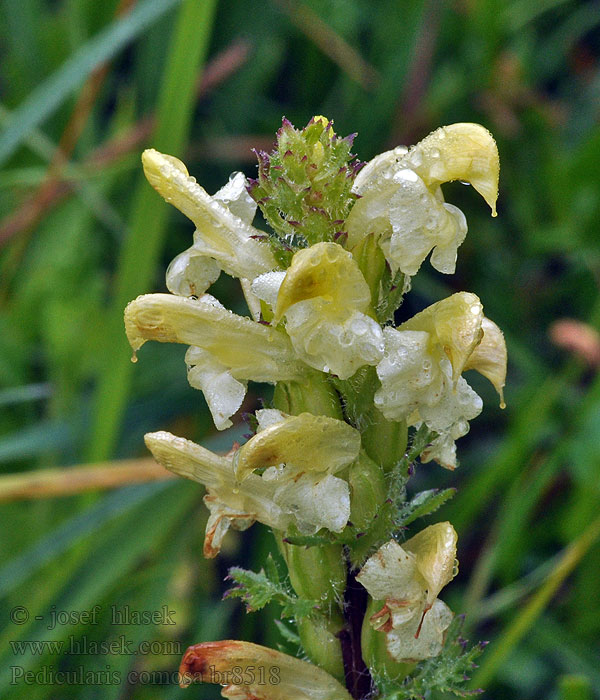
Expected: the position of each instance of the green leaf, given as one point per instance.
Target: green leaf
(423, 503)
(36, 439)
(444, 673)
(288, 633)
(141, 249)
(259, 589)
(271, 569)
(114, 554)
(574, 687)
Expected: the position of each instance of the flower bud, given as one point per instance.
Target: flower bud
(304, 185)
(368, 490)
(250, 671)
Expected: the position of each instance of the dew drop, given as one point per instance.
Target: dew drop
(417, 158)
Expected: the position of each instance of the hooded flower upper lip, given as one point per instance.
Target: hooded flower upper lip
(408, 579)
(230, 506)
(221, 234)
(227, 350)
(326, 302)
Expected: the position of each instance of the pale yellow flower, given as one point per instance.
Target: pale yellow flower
(408, 579)
(421, 370)
(301, 454)
(326, 304)
(402, 202)
(298, 457)
(230, 505)
(227, 350)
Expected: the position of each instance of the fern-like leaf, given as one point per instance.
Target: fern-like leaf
(259, 589)
(445, 673)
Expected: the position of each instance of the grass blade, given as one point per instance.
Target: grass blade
(141, 249)
(48, 96)
(521, 624)
(74, 529)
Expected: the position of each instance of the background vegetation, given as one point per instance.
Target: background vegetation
(85, 86)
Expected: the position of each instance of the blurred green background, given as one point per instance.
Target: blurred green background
(85, 86)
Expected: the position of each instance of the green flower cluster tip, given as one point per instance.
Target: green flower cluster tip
(304, 187)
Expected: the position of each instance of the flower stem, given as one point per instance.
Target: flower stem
(358, 678)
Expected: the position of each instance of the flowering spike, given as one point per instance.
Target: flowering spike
(326, 465)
